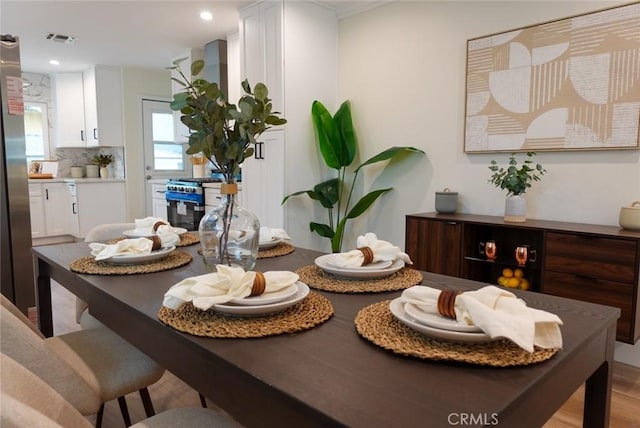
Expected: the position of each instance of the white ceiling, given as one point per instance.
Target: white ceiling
(146, 33)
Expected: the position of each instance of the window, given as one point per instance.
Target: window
(166, 154)
(36, 130)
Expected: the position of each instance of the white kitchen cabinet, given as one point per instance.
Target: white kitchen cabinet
(103, 106)
(94, 203)
(263, 180)
(180, 131)
(49, 205)
(159, 200)
(213, 198)
(68, 99)
(261, 48)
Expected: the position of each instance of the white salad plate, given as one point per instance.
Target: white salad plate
(268, 298)
(438, 321)
(397, 309)
(374, 270)
(231, 309)
(130, 259)
(263, 245)
(135, 233)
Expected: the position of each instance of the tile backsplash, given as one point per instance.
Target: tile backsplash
(38, 89)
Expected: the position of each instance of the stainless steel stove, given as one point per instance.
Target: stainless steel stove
(185, 201)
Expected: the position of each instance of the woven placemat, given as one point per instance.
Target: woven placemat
(282, 249)
(89, 265)
(186, 239)
(377, 324)
(310, 312)
(318, 279)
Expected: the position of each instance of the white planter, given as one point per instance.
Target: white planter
(515, 209)
(104, 172)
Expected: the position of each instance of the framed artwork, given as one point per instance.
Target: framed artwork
(570, 84)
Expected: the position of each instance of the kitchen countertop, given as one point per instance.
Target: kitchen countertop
(75, 180)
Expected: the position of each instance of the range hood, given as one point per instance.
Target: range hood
(215, 60)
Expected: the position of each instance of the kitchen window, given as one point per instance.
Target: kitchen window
(36, 131)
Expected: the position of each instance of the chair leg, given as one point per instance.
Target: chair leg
(124, 410)
(203, 401)
(99, 416)
(146, 402)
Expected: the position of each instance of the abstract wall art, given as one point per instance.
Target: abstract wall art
(570, 84)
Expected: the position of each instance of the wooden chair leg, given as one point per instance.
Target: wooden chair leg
(99, 416)
(124, 410)
(146, 402)
(203, 401)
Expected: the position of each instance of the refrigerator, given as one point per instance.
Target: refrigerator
(16, 268)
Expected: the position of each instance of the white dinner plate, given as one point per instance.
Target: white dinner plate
(398, 311)
(230, 309)
(263, 245)
(268, 298)
(438, 321)
(324, 263)
(129, 259)
(134, 233)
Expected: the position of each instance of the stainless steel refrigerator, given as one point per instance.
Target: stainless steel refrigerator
(16, 269)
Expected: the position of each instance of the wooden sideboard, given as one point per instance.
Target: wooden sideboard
(593, 263)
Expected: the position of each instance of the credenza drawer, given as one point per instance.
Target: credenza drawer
(595, 291)
(591, 256)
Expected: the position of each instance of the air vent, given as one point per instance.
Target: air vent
(61, 38)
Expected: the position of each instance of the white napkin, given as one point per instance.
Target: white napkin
(126, 246)
(498, 313)
(226, 284)
(383, 251)
(145, 225)
(268, 234)
(168, 235)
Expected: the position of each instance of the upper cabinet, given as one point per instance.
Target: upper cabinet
(68, 100)
(103, 106)
(180, 131)
(261, 48)
(88, 108)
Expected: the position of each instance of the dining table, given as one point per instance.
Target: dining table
(329, 375)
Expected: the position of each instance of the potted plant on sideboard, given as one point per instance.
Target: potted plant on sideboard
(103, 161)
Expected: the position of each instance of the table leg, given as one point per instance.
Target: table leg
(597, 395)
(43, 297)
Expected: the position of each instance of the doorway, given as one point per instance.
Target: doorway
(163, 157)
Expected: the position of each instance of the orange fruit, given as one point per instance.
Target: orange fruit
(518, 273)
(513, 282)
(502, 280)
(507, 272)
(524, 284)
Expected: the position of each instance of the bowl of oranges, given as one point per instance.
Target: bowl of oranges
(514, 278)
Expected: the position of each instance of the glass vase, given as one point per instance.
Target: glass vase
(229, 234)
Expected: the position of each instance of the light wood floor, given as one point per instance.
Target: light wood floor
(171, 392)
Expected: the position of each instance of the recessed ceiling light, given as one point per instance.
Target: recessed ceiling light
(206, 16)
(54, 62)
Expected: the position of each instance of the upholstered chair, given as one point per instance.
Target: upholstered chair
(28, 401)
(87, 367)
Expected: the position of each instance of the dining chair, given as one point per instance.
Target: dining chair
(87, 367)
(26, 400)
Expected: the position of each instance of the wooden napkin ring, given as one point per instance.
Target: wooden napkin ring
(367, 252)
(446, 303)
(259, 284)
(158, 224)
(157, 243)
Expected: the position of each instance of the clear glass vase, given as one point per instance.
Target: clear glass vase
(229, 234)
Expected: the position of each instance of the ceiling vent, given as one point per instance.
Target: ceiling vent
(61, 38)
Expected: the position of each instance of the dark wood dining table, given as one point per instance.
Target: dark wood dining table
(329, 376)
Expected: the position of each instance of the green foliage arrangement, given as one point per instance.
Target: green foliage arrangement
(224, 133)
(338, 145)
(102, 160)
(516, 180)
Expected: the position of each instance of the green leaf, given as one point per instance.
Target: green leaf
(347, 135)
(196, 67)
(321, 229)
(274, 120)
(212, 91)
(388, 154)
(327, 192)
(328, 139)
(365, 202)
(260, 91)
(245, 86)
(301, 192)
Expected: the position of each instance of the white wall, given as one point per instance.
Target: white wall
(402, 65)
(137, 82)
